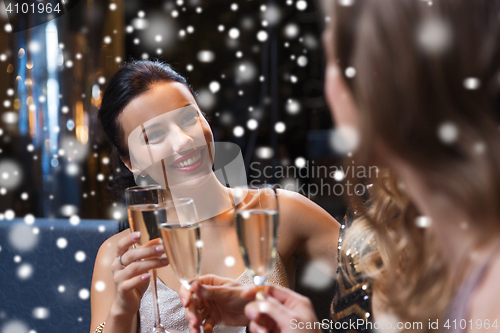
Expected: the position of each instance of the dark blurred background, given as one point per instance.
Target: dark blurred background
(257, 67)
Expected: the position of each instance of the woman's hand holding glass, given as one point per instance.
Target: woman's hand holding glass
(130, 272)
(280, 310)
(231, 303)
(224, 298)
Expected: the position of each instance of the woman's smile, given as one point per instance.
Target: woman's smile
(190, 161)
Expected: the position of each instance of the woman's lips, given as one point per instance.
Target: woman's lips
(190, 162)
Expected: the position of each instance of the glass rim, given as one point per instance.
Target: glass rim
(140, 188)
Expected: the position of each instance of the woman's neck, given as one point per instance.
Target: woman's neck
(211, 198)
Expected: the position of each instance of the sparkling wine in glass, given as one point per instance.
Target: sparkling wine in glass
(256, 220)
(145, 205)
(180, 233)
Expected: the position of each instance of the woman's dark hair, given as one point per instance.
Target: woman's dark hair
(132, 80)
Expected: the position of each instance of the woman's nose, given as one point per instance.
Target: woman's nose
(180, 140)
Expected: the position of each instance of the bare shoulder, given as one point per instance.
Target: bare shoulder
(306, 229)
(101, 300)
(296, 207)
(107, 251)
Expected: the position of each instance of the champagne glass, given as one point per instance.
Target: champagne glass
(144, 205)
(180, 232)
(256, 219)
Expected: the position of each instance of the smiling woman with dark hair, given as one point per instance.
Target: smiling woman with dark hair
(152, 118)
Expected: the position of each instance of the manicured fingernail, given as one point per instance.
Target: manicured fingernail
(160, 249)
(260, 296)
(164, 260)
(145, 276)
(260, 330)
(136, 235)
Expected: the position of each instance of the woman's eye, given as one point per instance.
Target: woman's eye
(155, 137)
(189, 118)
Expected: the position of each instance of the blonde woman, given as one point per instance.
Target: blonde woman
(425, 100)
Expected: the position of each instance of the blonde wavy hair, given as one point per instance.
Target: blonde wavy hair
(402, 260)
(405, 89)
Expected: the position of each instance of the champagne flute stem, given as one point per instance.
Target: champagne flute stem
(152, 280)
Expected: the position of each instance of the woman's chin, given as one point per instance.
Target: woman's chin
(182, 180)
(191, 182)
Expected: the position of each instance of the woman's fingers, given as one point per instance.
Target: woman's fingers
(135, 282)
(209, 287)
(192, 317)
(126, 255)
(185, 295)
(123, 244)
(213, 280)
(139, 267)
(210, 292)
(255, 328)
(194, 328)
(283, 294)
(142, 253)
(262, 311)
(215, 288)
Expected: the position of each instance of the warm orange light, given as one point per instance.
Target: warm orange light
(81, 122)
(32, 119)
